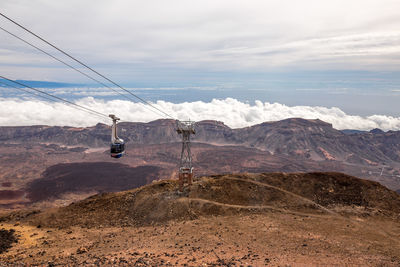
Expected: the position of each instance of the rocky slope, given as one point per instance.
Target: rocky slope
(314, 193)
(272, 219)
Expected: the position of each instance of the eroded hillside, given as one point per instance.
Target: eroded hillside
(224, 220)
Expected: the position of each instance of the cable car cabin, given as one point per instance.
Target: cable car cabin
(117, 148)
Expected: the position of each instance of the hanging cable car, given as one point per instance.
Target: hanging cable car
(117, 148)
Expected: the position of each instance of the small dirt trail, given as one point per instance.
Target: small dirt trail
(258, 207)
(230, 205)
(358, 223)
(284, 191)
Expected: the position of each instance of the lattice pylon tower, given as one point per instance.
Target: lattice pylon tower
(185, 128)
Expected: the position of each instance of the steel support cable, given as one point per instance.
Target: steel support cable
(45, 97)
(83, 64)
(72, 67)
(59, 60)
(94, 112)
(27, 91)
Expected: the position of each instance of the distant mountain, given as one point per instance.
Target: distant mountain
(299, 138)
(377, 131)
(349, 131)
(42, 84)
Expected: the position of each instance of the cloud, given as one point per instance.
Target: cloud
(126, 38)
(234, 113)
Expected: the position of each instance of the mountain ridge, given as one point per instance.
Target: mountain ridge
(292, 145)
(312, 139)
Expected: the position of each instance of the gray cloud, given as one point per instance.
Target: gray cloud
(212, 35)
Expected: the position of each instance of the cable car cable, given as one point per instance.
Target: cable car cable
(72, 67)
(29, 92)
(56, 97)
(83, 64)
(77, 106)
(59, 60)
(117, 148)
(26, 91)
(45, 97)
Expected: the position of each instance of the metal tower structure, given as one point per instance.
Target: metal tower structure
(186, 128)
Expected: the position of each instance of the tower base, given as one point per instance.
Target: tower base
(185, 177)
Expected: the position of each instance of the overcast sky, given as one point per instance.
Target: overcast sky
(126, 38)
(331, 48)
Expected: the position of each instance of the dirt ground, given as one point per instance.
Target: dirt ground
(326, 219)
(269, 239)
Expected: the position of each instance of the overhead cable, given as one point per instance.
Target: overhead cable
(86, 66)
(27, 91)
(59, 60)
(70, 66)
(94, 112)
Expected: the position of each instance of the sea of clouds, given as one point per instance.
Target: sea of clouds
(234, 113)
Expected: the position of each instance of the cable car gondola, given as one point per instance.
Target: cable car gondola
(117, 148)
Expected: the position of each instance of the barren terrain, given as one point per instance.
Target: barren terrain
(25, 168)
(63, 198)
(29, 155)
(270, 219)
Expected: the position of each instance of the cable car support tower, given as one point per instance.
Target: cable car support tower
(185, 128)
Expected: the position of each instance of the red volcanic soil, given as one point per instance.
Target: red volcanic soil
(266, 219)
(6, 184)
(88, 177)
(11, 194)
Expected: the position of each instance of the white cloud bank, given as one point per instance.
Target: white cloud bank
(232, 112)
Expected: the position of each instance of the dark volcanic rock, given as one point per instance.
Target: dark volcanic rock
(7, 238)
(10, 194)
(88, 177)
(6, 184)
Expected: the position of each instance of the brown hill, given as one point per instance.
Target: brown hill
(267, 219)
(297, 193)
